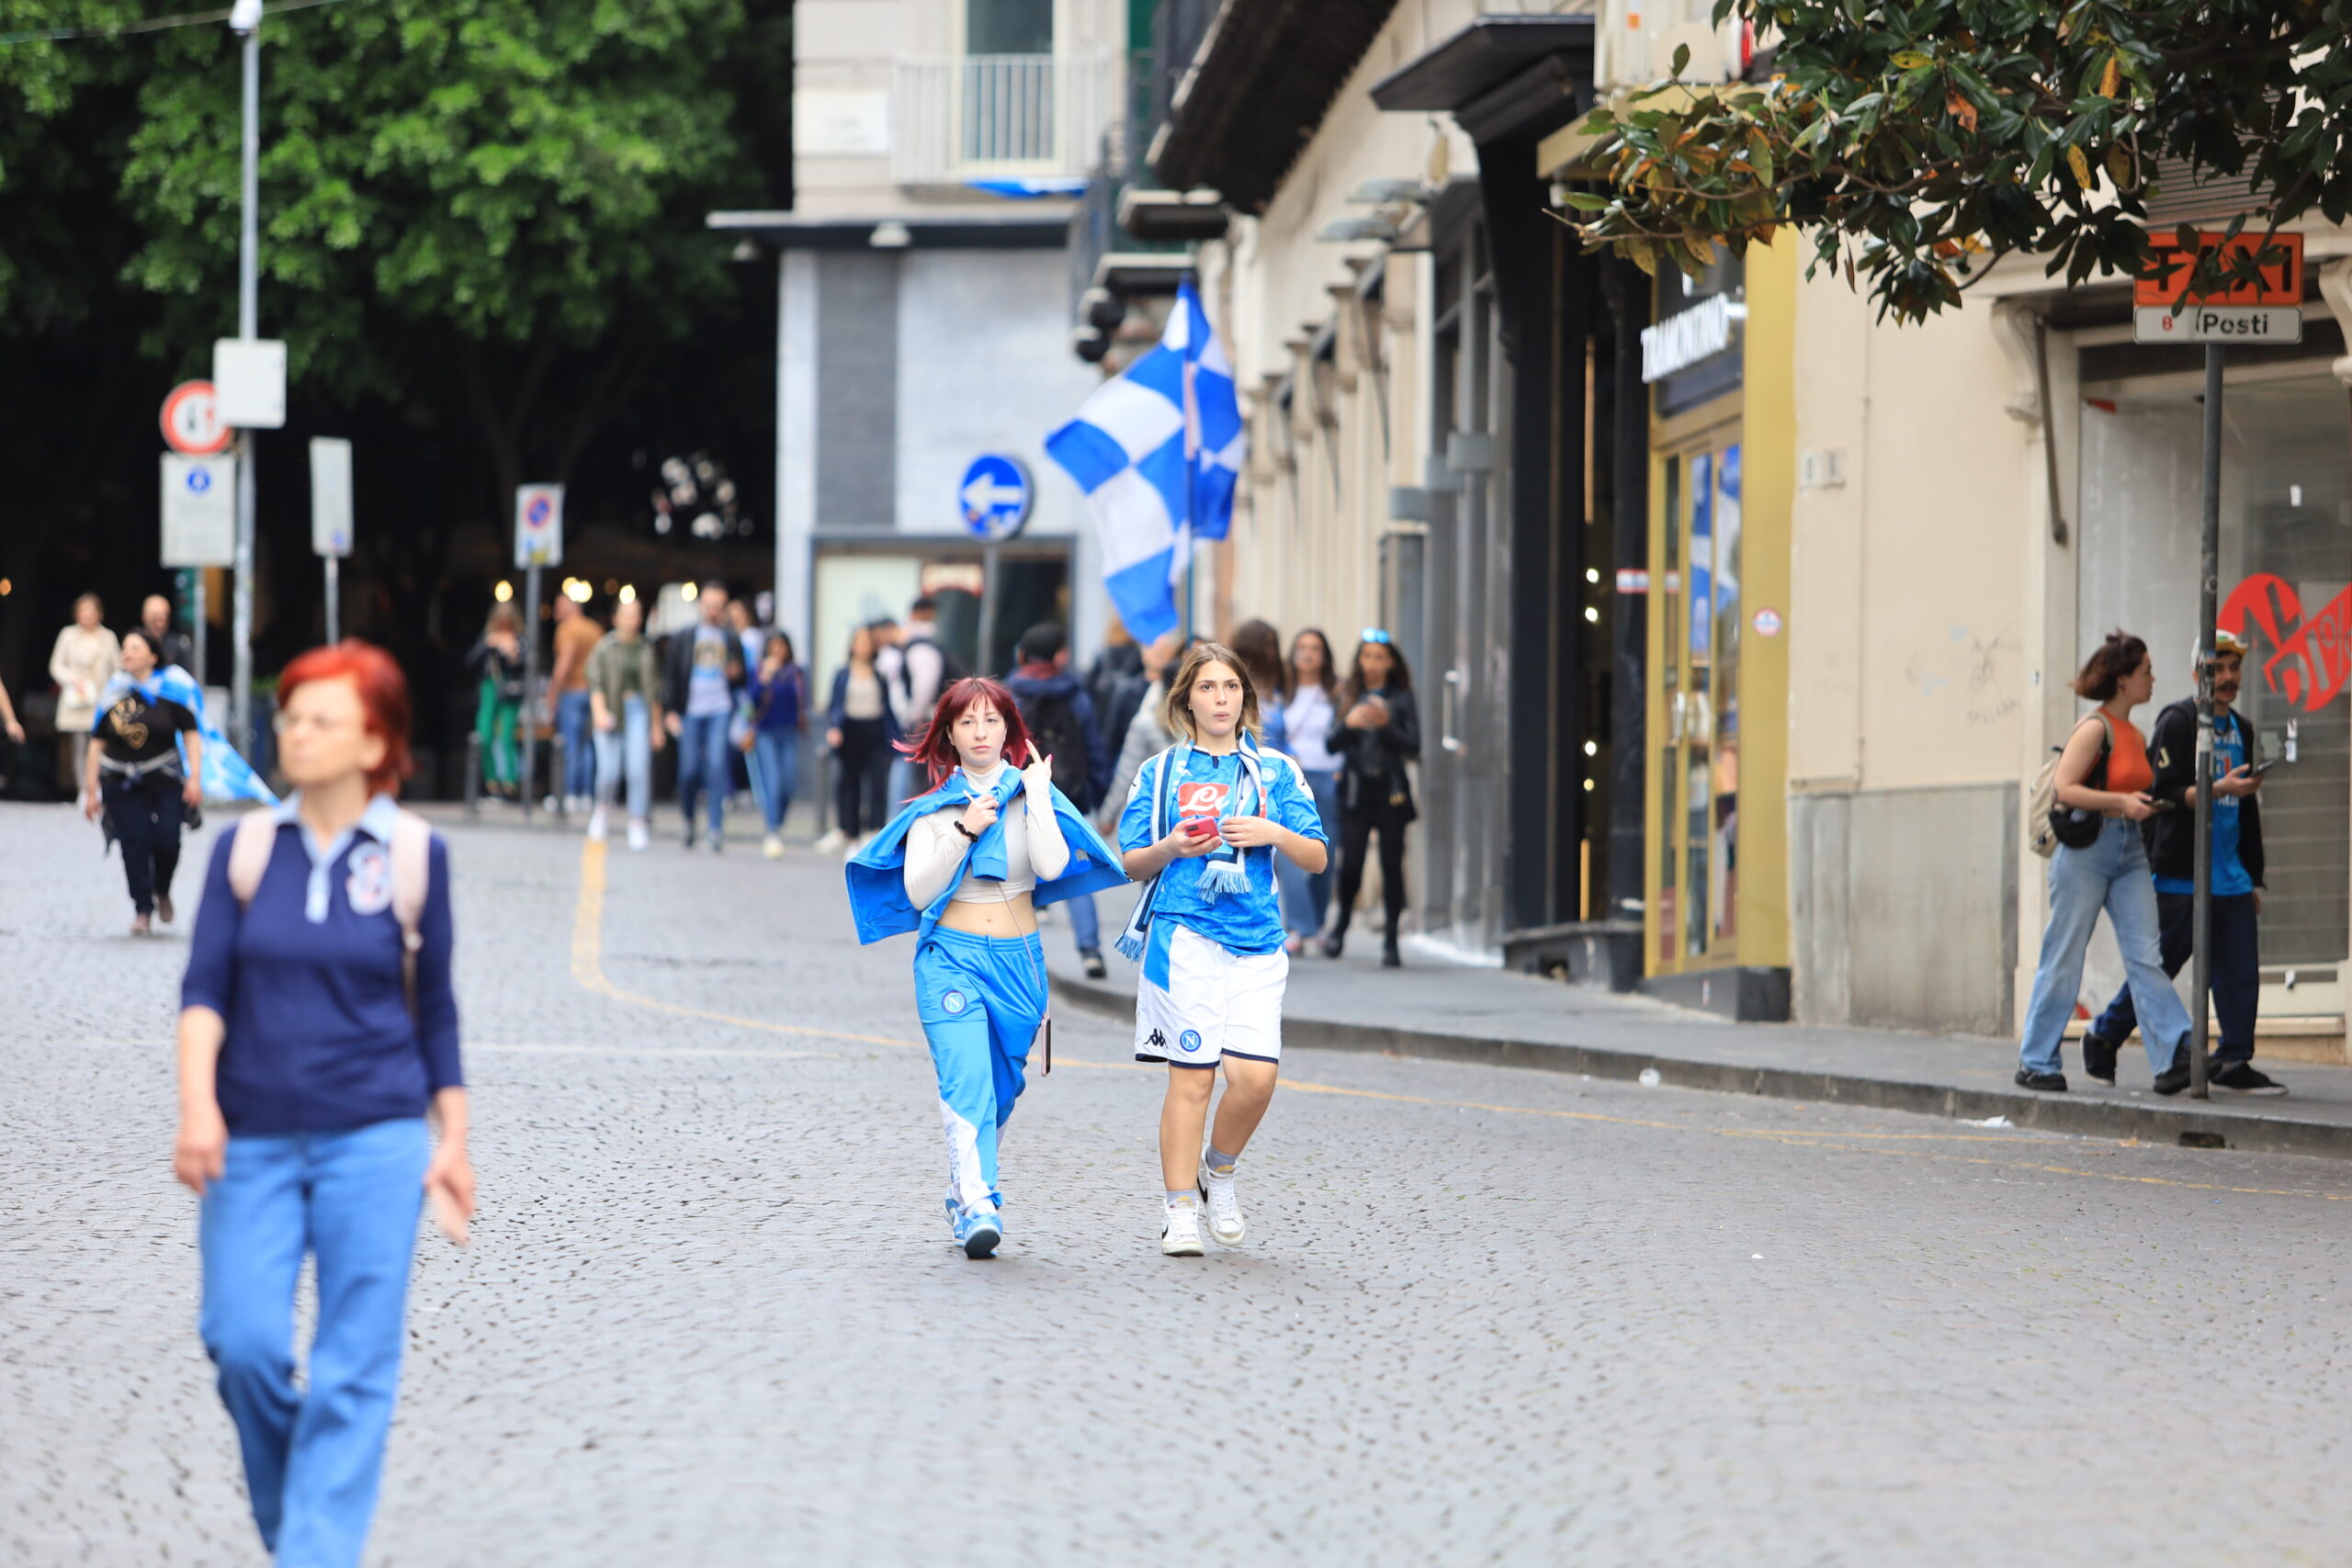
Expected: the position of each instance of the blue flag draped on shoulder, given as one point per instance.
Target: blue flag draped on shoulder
(1158, 450)
(226, 776)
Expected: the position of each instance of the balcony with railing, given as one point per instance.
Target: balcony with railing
(1018, 116)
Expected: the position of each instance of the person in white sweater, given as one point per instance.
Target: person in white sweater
(964, 867)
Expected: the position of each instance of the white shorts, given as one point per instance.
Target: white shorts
(1197, 1003)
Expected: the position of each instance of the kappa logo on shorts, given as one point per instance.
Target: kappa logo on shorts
(1158, 1042)
(953, 1001)
(1189, 1040)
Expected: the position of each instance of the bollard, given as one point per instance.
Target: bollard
(473, 774)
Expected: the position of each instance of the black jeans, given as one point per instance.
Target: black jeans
(862, 769)
(2235, 972)
(1357, 825)
(146, 813)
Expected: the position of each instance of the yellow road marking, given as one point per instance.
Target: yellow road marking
(587, 968)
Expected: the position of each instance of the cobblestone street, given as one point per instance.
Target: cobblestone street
(711, 1314)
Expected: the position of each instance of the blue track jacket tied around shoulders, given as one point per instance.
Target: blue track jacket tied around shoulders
(877, 873)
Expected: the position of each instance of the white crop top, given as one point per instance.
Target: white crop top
(1033, 842)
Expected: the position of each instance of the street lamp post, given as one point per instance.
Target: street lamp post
(245, 19)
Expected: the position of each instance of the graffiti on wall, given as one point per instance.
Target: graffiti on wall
(2312, 655)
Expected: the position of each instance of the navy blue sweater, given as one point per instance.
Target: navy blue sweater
(320, 1038)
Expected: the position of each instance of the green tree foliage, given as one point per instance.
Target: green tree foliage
(1917, 142)
(490, 206)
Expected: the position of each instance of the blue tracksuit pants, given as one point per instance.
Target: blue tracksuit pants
(981, 999)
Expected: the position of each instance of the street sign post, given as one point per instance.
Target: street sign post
(192, 422)
(2265, 310)
(538, 544)
(193, 427)
(199, 510)
(331, 519)
(996, 496)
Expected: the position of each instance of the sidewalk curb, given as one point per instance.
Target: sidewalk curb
(2096, 1118)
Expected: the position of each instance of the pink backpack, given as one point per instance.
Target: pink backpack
(411, 855)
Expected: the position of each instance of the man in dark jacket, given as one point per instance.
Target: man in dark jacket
(1060, 717)
(2236, 965)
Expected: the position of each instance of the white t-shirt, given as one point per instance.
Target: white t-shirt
(1307, 721)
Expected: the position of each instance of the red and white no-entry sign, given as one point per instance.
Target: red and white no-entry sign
(192, 420)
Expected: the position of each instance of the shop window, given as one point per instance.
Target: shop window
(2286, 540)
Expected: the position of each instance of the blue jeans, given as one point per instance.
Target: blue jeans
(313, 1458)
(2233, 974)
(1306, 897)
(775, 769)
(1085, 925)
(626, 751)
(578, 754)
(2112, 873)
(703, 767)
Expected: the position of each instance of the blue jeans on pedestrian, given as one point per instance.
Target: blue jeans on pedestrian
(578, 754)
(1307, 895)
(2233, 974)
(351, 1199)
(1085, 925)
(2111, 873)
(626, 751)
(775, 756)
(703, 767)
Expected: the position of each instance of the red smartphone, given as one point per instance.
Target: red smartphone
(1201, 827)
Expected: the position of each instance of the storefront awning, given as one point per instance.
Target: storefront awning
(1499, 77)
(977, 232)
(1263, 79)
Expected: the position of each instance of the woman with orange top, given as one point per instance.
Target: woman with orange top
(2103, 778)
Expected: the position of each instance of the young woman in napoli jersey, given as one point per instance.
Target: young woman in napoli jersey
(964, 866)
(1203, 823)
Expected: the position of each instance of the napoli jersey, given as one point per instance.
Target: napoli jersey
(2230, 878)
(1238, 922)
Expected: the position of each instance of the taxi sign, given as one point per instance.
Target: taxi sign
(2267, 311)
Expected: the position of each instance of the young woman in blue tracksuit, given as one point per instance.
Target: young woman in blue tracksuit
(318, 1038)
(1203, 824)
(964, 866)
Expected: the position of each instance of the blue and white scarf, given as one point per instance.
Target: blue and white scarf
(1225, 869)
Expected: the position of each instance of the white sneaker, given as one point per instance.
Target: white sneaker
(639, 835)
(1224, 1208)
(773, 847)
(1181, 1238)
(832, 840)
(600, 827)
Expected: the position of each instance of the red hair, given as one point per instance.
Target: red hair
(383, 696)
(934, 749)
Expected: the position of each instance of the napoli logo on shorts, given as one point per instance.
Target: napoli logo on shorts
(953, 1001)
(1189, 1040)
(369, 883)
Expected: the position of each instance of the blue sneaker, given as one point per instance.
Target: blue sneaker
(980, 1230)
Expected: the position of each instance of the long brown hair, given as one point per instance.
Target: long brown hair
(1329, 679)
(1261, 647)
(1176, 707)
(2108, 664)
(1398, 675)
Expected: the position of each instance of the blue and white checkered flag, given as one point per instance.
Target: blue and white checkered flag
(1158, 450)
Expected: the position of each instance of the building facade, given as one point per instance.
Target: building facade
(940, 147)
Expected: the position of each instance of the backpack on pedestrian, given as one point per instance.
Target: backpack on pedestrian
(255, 838)
(1054, 730)
(2049, 824)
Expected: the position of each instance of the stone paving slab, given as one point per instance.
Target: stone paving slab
(1456, 1012)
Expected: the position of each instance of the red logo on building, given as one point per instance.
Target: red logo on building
(2313, 655)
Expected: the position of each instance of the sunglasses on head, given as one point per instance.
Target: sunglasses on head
(1373, 634)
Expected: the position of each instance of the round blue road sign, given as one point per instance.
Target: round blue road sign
(995, 496)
